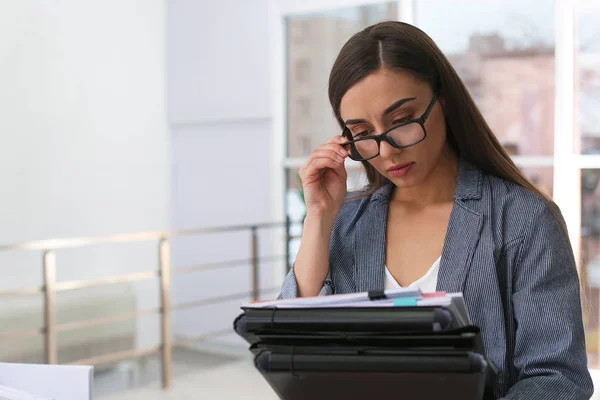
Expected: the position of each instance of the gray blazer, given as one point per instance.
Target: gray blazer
(506, 252)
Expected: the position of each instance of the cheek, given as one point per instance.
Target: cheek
(436, 135)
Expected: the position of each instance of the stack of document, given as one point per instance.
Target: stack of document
(371, 344)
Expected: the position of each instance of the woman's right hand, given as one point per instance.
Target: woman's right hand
(324, 178)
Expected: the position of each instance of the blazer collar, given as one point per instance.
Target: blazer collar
(468, 181)
(460, 242)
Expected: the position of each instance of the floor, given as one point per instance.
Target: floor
(236, 380)
(196, 375)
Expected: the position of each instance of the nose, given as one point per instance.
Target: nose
(386, 150)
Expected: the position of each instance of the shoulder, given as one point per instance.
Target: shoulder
(515, 207)
(509, 194)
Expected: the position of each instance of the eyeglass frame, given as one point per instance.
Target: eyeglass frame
(383, 136)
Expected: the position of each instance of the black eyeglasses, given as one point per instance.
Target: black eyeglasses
(400, 136)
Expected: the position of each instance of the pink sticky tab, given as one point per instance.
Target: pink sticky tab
(433, 294)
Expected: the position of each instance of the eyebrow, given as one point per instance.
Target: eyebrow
(387, 111)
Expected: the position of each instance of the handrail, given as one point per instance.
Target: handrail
(63, 243)
(51, 287)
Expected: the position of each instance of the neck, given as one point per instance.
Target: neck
(438, 187)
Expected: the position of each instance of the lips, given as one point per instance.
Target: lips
(400, 170)
(399, 167)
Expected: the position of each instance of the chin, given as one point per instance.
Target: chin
(405, 182)
(411, 179)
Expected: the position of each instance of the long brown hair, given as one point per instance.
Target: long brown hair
(400, 46)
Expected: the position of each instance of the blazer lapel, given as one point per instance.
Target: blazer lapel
(462, 235)
(463, 231)
(461, 238)
(369, 245)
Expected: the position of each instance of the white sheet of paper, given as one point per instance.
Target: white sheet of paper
(52, 382)
(340, 300)
(454, 302)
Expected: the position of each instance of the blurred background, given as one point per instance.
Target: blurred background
(150, 152)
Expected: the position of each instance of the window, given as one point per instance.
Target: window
(300, 33)
(587, 143)
(304, 143)
(302, 71)
(303, 107)
(504, 52)
(587, 78)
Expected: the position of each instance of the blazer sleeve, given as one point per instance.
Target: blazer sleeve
(289, 289)
(550, 353)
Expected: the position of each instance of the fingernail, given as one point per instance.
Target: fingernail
(343, 152)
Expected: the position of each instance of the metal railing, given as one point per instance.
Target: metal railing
(51, 287)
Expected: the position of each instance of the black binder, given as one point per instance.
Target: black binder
(354, 319)
(356, 353)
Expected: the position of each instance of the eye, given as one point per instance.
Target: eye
(402, 120)
(360, 131)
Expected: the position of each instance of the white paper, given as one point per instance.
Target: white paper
(47, 382)
(454, 302)
(337, 300)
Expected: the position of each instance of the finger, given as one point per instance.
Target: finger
(342, 139)
(336, 148)
(336, 139)
(329, 154)
(315, 166)
(329, 150)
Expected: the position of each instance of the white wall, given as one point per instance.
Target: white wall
(218, 55)
(84, 141)
(219, 110)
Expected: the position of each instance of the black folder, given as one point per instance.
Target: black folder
(354, 319)
(327, 376)
(355, 353)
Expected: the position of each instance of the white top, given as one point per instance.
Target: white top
(427, 283)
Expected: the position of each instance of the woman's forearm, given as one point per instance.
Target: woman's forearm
(312, 262)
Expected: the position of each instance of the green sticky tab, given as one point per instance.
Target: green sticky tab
(405, 302)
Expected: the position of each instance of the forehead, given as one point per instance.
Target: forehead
(379, 90)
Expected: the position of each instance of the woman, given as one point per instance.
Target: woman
(446, 209)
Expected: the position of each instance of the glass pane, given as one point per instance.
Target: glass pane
(587, 78)
(313, 43)
(504, 52)
(294, 196)
(295, 210)
(542, 177)
(590, 266)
